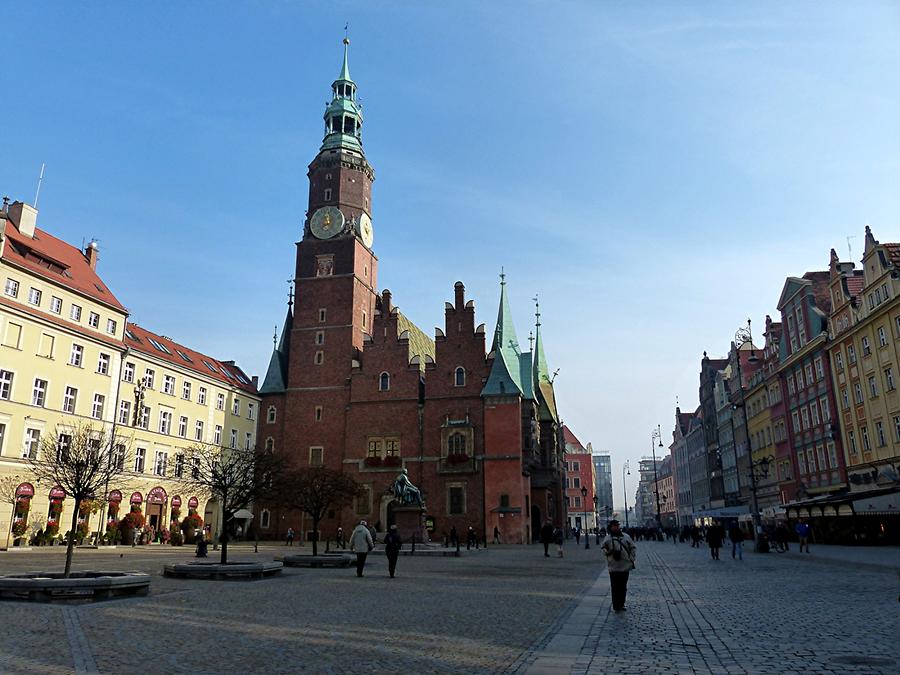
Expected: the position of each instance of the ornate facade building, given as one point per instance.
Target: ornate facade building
(355, 386)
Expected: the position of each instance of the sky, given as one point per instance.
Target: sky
(652, 171)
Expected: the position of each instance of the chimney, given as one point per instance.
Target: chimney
(91, 252)
(386, 302)
(255, 381)
(25, 218)
(460, 295)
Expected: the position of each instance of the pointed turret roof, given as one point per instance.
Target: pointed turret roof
(276, 374)
(546, 396)
(506, 376)
(345, 68)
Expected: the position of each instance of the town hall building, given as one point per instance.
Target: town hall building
(355, 386)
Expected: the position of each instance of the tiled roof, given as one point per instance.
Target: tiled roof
(142, 340)
(54, 259)
(893, 251)
(419, 343)
(570, 439)
(855, 285)
(820, 289)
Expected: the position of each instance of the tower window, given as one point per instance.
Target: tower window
(460, 377)
(384, 382)
(327, 194)
(336, 124)
(327, 176)
(320, 337)
(348, 90)
(320, 358)
(318, 413)
(322, 315)
(364, 319)
(349, 125)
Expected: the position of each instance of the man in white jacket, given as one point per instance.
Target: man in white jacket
(620, 555)
(361, 543)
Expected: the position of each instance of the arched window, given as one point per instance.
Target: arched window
(264, 519)
(459, 377)
(270, 416)
(270, 444)
(384, 382)
(456, 444)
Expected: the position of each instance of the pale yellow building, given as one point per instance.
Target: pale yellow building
(68, 356)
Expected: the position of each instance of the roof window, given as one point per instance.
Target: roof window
(211, 367)
(184, 356)
(159, 347)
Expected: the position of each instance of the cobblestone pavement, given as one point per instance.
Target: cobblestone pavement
(505, 610)
(766, 614)
(473, 614)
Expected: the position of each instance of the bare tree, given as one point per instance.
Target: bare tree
(234, 477)
(82, 460)
(315, 491)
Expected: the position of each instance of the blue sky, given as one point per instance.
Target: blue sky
(653, 170)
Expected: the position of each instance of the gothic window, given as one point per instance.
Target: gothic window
(459, 377)
(318, 413)
(264, 519)
(322, 314)
(270, 416)
(384, 382)
(270, 444)
(456, 500)
(456, 444)
(320, 358)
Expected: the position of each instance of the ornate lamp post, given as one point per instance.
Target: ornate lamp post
(584, 503)
(656, 435)
(625, 468)
(597, 519)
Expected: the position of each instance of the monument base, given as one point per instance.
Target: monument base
(410, 522)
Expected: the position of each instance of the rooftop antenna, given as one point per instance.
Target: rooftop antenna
(347, 33)
(40, 180)
(849, 248)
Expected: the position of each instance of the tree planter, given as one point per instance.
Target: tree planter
(227, 572)
(50, 586)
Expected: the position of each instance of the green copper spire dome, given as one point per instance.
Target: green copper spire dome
(546, 397)
(506, 371)
(343, 115)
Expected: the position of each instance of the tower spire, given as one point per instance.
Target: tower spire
(345, 68)
(343, 114)
(505, 376)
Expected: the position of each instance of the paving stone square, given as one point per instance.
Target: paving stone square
(504, 610)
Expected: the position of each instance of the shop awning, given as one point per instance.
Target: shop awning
(886, 504)
(243, 514)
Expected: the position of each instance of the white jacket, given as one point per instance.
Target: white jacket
(626, 549)
(361, 540)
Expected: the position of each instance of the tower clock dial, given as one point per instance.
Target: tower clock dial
(365, 230)
(326, 222)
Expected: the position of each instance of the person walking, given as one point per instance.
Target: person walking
(620, 554)
(392, 545)
(802, 530)
(361, 543)
(471, 538)
(454, 536)
(695, 536)
(339, 538)
(736, 535)
(496, 534)
(781, 538)
(559, 537)
(290, 537)
(576, 531)
(547, 532)
(714, 537)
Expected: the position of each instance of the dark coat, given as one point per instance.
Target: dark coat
(392, 543)
(547, 534)
(714, 536)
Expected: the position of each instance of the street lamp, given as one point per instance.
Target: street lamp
(657, 434)
(625, 468)
(762, 465)
(597, 519)
(587, 538)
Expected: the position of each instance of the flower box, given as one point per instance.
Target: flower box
(392, 460)
(457, 458)
(372, 461)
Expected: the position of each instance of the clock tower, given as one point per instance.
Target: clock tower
(335, 277)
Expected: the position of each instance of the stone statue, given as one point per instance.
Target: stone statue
(405, 492)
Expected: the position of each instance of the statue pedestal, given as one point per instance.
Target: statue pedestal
(410, 521)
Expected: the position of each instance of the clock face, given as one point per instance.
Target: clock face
(365, 230)
(326, 222)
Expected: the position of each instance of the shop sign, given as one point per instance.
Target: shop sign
(176, 501)
(57, 493)
(156, 496)
(25, 491)
(193, 503)
(136, 498)
(115, 496)
(429, 523)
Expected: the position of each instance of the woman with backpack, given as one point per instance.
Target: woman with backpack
(620, 556)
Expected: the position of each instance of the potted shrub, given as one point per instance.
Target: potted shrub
(191, 523)
(19, 528)
(133, 520)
